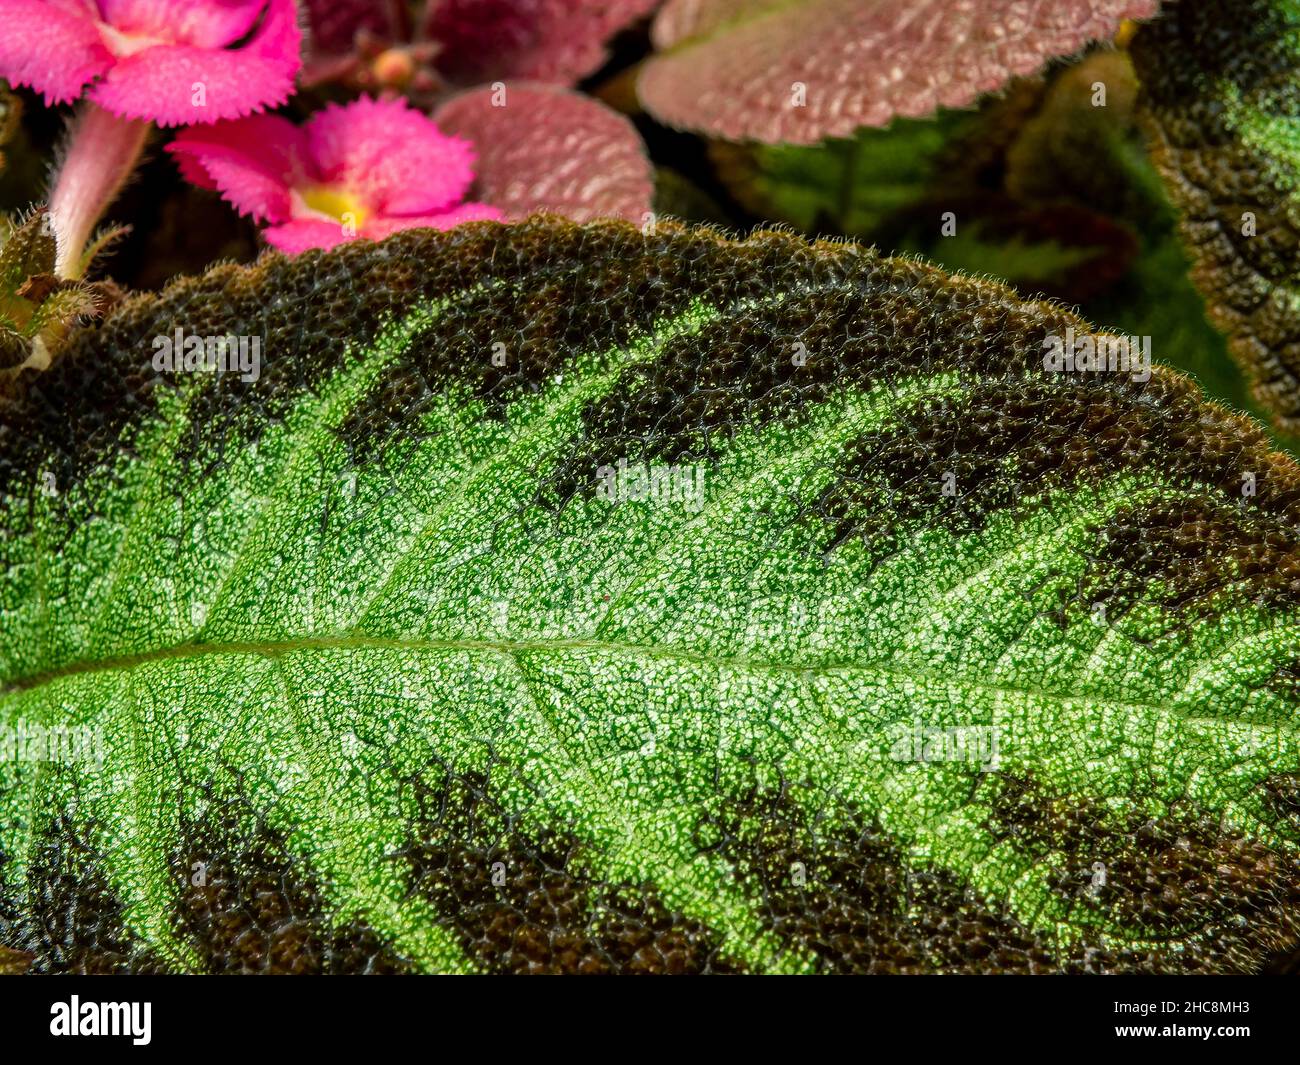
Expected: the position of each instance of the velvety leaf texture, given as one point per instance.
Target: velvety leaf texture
(901, 654)
(551, 149)
(1223, 114)
(776, 71)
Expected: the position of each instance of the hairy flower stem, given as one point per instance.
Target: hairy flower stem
(102, 151)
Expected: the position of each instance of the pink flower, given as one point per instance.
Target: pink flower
(367, 169)
(171, 61)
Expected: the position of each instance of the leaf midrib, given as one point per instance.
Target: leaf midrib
(276, 649)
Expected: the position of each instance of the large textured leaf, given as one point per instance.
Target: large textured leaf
(796, 72)
(1222, 107)
(363, 670)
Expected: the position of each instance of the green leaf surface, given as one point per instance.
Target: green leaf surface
(904, 654)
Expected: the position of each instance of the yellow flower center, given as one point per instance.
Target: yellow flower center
(334, 203)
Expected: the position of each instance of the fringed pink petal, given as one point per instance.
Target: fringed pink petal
(253, 161)
(54, 48)
(203, 23)
(303, 234)
(181, 84)
(389, 156)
